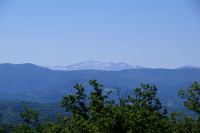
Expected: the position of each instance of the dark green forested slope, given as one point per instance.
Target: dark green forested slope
(140, 112)
(10, 110)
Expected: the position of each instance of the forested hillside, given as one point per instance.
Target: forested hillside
(10, 110)
(141, 111)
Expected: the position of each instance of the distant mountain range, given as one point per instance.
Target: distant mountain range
(29, 82)
(34, 83)
(103, 66)
(95, 65)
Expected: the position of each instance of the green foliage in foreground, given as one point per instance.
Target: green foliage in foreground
(141, 112)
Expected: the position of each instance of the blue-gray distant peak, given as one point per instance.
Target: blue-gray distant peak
(189, 66)
(95, 65)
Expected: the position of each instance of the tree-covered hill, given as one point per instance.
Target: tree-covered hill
(140, 112)
(10, 110)
(96, 111)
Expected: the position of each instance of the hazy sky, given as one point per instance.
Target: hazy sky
(151, 33)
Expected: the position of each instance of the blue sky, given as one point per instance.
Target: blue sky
(150, 33)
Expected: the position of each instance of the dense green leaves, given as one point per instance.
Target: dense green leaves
(141, 112)
(192, 96)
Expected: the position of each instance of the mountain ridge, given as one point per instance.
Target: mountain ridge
(94, 65)
(34, 83)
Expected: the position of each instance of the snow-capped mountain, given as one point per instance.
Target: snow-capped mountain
(95, 65)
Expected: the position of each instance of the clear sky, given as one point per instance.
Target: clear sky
(150, 33)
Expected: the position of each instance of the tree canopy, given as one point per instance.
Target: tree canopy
(140, 112)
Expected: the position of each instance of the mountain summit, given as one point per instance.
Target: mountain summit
(94, 65)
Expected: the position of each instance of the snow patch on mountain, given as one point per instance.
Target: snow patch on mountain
(95, 65)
